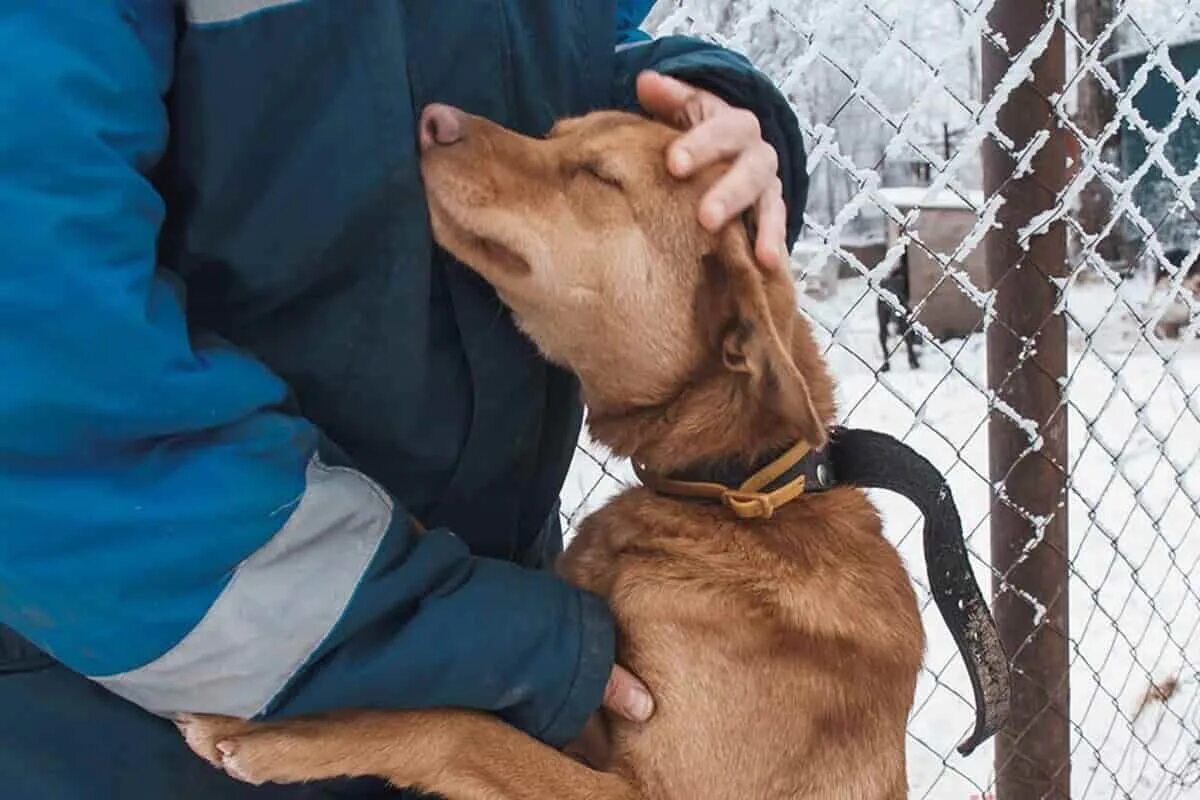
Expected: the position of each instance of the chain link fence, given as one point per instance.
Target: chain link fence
(1030, 167)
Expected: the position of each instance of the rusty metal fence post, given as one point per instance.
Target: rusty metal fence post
(1027, 362)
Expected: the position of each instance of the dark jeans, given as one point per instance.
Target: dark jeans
(63, 737)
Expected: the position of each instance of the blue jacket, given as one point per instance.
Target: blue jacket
(234, 368)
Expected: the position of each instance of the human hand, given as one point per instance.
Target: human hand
(628, 697)
(716, 131)
(625, 696)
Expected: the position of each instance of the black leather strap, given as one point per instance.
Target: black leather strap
(875, 460)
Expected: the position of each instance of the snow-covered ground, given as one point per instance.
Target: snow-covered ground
(1135, 538)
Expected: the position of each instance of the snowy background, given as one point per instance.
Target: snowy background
(883, 87)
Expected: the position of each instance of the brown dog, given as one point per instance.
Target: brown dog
(783, 650)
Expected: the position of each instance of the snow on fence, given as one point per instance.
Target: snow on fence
(1037, 161)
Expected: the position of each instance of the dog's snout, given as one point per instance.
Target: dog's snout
(440, 125)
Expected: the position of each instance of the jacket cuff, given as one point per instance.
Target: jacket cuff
(597, 653)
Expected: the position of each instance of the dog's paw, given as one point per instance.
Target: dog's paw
(273, 754)
(239, 762)
(203, 733)
(270, 752)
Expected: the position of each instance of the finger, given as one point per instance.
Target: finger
(750, 176)
(668, 99)
(626, 696)
(771, 214)
(718, 137)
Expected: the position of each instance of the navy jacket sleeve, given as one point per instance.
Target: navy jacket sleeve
(166, 528)
(731, 77)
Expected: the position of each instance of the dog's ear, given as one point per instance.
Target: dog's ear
(755, 339)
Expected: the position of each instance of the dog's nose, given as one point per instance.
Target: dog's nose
(440, 125)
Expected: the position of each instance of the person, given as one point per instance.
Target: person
(265, 450)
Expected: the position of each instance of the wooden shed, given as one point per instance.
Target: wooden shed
(943, 221)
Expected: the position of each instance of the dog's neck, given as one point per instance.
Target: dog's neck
(708, 422)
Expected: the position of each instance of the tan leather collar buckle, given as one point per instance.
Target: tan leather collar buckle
(784, 478)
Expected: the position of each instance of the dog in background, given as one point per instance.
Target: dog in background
(897, 283)
(1178, 312)
(1175, 257)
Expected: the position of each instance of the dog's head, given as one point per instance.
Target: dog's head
(598, 252)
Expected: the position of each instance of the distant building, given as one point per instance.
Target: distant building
(942, 223)
(816, 268)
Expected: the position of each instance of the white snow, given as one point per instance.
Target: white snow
(1134, 535)
(905, 198)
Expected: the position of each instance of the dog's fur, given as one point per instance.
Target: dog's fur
(897, 283)
(782, 652)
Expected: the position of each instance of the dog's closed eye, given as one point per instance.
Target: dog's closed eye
(597, 172)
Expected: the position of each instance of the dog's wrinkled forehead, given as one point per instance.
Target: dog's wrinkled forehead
(602, 123)
(634, 141)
